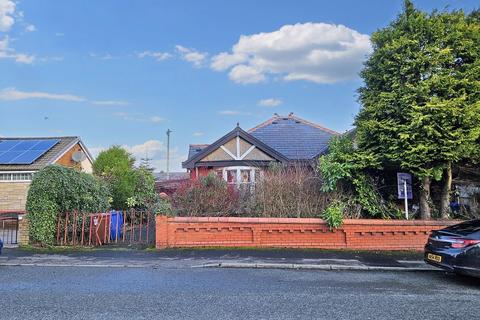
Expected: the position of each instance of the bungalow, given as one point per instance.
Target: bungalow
(21, 158)
(239, 157)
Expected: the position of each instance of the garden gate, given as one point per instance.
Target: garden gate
(9, 228)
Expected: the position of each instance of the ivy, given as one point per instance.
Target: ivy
(57, 189)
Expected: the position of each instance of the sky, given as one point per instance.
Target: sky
(122, 72)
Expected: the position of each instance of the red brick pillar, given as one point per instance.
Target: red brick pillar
(161, 234)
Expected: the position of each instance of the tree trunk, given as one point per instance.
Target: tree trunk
(446, 190)
(425, 212)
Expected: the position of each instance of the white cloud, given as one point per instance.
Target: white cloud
(106, 56)
(151, 147)
(110, 103)
(156, 119)
(155, 150)
(271, 102)
(246, 74)
(197, 58)
(6, 52)
(138, 117)
(198, 134)
(7, 10)
(30, 28)
(234, 113)
(159, 56)
(317, 52)
(14, 94)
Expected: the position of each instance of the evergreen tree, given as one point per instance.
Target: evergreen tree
(421, 98)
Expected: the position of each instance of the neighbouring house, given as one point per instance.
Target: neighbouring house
(240, 156)
(21, 158)
(169, 183)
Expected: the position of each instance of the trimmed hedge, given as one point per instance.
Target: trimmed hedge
(57, 189)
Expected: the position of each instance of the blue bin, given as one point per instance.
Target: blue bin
(1, 246)
(116, 224)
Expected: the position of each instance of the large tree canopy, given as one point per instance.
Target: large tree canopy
(421, 98)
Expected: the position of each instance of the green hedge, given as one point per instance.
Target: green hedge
(57, 189)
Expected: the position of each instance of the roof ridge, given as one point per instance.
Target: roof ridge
(291, 116)
(33, 138)
(314, 124)
(265, 123)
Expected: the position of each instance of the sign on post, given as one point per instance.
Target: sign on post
(401, 179)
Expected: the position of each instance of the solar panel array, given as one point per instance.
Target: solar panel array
(24, 151)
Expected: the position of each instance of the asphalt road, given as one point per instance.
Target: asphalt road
(197, 293)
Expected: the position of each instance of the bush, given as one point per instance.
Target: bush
(290, 192)
(209, 196)
(281, 192)
(57, 189)
(333, 215)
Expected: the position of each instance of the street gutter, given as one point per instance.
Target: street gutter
(329, 267)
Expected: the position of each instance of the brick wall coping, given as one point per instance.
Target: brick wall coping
(314, 220)
(12, 211)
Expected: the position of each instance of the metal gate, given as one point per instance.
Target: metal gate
(123, 227)
(9, 228)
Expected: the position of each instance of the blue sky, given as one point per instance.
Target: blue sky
(122, 72)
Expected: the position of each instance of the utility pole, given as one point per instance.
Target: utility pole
(168, 153)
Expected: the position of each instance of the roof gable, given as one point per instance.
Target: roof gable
(202, 152)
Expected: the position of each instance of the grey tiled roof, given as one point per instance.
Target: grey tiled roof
(194, 149)
(295, 138)
(44, 160)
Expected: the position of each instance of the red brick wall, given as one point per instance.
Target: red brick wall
(359, 234)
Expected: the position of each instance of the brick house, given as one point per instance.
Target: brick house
(21, 158)
(240, 156)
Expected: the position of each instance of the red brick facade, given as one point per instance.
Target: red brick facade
(359, 234)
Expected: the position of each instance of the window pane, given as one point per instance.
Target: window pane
(245, 176)
(232, 176)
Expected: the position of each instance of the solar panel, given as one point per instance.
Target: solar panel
(7, 144)
(24, 151)
(27, 156)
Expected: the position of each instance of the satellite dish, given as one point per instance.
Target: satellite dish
(79, 156)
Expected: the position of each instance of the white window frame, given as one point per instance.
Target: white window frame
(12, 173)
(238, 170)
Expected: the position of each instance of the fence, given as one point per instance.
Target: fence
(9, 228)
(127, 227)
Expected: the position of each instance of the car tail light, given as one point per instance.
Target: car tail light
(459, 243)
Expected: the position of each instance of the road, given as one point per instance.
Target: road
(210, 293)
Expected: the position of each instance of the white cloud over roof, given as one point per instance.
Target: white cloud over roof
(317, 52)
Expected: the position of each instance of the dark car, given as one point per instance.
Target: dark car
(456, 248)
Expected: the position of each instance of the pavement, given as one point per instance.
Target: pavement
(219, 258)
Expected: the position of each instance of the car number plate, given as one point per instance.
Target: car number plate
(434, 257)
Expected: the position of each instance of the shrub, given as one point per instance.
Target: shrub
(290, 192)
(280, 192)
(333, 215)
(57, 189)
(208, 195)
